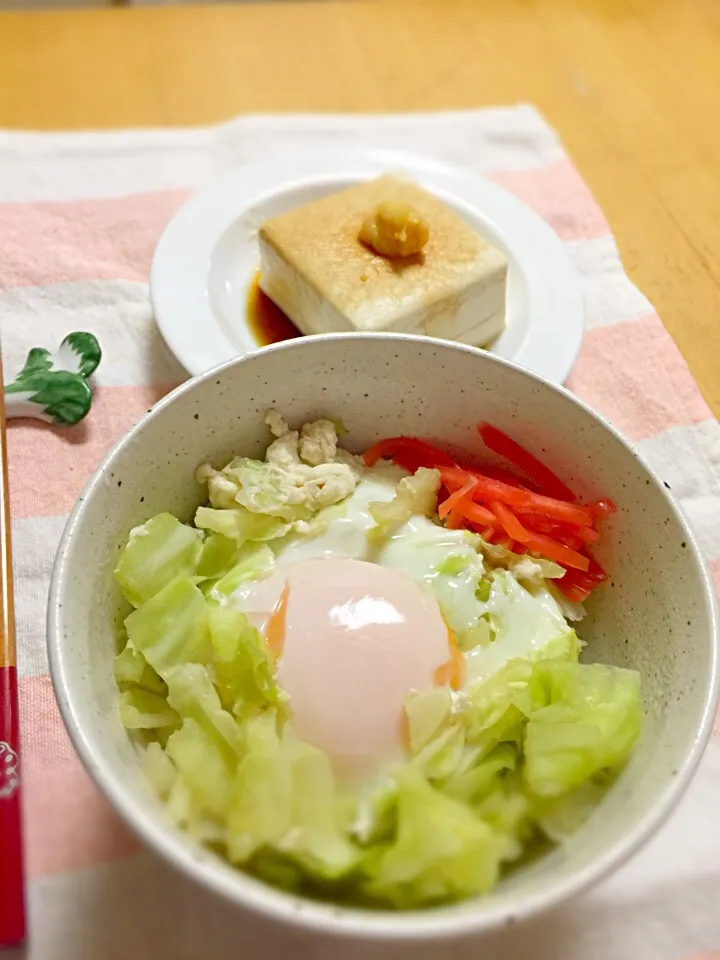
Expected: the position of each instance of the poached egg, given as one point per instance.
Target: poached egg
(352, 639)
(357, 625)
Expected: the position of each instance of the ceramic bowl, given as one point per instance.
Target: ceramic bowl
(656, 614)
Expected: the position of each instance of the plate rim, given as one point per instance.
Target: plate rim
(182, 257)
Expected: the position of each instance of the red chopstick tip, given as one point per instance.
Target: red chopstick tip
(12, 894)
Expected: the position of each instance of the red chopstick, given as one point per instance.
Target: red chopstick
(12, 894)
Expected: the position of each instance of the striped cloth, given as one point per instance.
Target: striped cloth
(79, 217)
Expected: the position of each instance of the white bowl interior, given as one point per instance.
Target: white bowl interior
(655, 615)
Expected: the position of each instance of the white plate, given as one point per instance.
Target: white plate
(207, 256)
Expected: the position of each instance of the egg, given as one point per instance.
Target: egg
(352, 641)
(357, 623)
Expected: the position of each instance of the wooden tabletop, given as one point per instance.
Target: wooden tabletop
(633, 87)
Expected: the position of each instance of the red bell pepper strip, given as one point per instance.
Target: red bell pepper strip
(562, 532)
(572, 590)
(593, 575)
(497, 473)
(546, 481)
(552, 550)
(556, 528)
(409, 450)
(577, 585)
(454, 499)
(537, 542)
(508, 521)
(587, 534)
(488, 489)
(475, 513)
(570, 540)
(508, 511)
(454, 521)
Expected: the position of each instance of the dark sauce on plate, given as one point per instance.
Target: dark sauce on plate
(268, 324)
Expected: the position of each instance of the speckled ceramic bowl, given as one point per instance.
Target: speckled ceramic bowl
(657, 613)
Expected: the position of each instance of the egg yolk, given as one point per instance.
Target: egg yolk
(353, 639)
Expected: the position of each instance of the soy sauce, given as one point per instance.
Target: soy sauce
(268, 324)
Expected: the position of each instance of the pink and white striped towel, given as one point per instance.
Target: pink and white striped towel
(79, 217)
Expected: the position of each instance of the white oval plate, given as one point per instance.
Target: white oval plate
(207, 256)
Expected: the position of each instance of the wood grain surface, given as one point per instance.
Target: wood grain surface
(632, 86)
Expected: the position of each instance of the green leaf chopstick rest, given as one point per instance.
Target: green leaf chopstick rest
(54, 386)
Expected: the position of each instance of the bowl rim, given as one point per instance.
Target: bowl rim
(325, 917)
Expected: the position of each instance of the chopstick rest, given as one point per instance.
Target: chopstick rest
(54, 387)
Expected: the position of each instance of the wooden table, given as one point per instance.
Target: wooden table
(633, 86)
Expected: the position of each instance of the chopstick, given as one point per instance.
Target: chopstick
(12, 894)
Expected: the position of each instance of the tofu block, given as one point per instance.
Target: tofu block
(314, 267)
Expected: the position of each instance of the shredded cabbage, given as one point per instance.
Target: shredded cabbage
(427, 714)
(586, 720)
(240, 524)
(143, 710)
(253, 562)
(301, 474)
(157, 552)
(415, 495)
(441, 850)
(171, 628)
(244, 670)
(132, 669)
(217, 555)
(284, 798)
(159, 769)
(205, 772)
